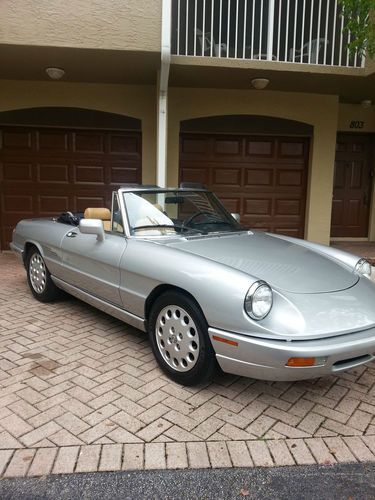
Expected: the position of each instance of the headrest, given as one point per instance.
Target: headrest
(97, 213)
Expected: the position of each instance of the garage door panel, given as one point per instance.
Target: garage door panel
(257, 207)
(260, 148)
(88, 174)
(291, 149)
(53, 173)
(13, 203)
(17, 172)
(230, 177)
(128, 145)
(292, 178)
(288, 207)
(200, 175)
(52, 141)
(16, 140)
(124, 173)
(228, 147)
(49, 205)
(194, 146)
(88, 142)
(259, 177)
(268, 180)
(83, 202)
(44, 172)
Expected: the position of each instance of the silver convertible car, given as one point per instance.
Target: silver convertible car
(210, 293)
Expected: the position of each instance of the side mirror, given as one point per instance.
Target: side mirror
(92, 226)
(237, 217)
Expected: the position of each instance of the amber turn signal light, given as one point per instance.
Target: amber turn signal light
(225, 341)
(301, 362)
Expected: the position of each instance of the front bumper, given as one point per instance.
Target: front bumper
(266, 359)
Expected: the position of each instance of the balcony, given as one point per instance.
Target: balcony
(290, 31)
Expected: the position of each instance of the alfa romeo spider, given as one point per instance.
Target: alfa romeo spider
(209, 292)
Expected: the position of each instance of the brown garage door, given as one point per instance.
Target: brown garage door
(45, 171)
(262, 178)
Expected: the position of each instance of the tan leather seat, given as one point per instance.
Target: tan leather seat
(102, 214)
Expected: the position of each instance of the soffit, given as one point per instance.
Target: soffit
(19, 62)
(351, 86)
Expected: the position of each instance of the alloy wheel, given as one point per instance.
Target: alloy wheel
(37, 273)
(177, 338)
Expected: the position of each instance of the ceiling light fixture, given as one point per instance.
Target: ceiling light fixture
(260, 83)
(55, 73)
(366, 103)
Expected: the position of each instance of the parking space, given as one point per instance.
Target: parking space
(80, 391)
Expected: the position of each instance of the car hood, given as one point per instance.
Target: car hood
(285, 265)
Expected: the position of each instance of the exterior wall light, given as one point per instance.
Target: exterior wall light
(55, 73)
(260, 83)
(366, 103)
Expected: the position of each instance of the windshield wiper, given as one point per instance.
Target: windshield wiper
(167, 226)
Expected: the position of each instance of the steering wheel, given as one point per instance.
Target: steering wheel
(194, 216)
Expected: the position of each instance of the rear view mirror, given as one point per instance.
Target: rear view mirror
(176, 200)
(92, 226)
(237, 217)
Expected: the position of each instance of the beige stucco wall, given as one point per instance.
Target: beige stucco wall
(105, 24)
(136, 101)
(349, 113)
(320, 111)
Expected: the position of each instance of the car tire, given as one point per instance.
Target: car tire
(179, 339)
(39, 278)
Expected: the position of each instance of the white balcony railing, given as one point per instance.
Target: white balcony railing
(297, 31)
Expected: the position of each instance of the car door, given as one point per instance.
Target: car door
(92, 265)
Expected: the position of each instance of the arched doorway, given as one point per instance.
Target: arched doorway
(57, 159)
(258, 166)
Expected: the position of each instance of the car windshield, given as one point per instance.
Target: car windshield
(155, 213)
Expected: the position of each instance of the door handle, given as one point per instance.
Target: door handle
(71, 234)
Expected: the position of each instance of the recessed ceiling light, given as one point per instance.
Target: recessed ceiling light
(260, 83)
(366, 103)
(55, 73)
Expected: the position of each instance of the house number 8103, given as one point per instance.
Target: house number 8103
(356, 124)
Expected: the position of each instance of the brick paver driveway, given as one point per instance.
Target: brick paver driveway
(80, 391)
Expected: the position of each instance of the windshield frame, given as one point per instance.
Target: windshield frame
(146, 190)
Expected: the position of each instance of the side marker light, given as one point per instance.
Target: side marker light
(225, 341)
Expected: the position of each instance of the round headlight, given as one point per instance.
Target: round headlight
(363, 268)
(258, 301)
